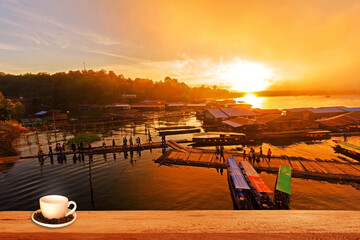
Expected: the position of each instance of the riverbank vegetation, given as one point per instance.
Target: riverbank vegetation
(62, 90)
(10, 109)
(85, 138)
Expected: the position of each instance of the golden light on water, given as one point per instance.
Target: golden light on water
(255, 101)
(247, 76)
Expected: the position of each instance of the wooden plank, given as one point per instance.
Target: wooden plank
(186, 225)
(297, 166)
(308, 166)
(348, 169)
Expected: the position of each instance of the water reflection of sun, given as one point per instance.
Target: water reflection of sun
(255, 101)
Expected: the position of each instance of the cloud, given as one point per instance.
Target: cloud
(7, 47)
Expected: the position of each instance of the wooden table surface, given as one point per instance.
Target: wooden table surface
(190, 225)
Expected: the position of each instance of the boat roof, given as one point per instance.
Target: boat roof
(220, 133)
(347, 145)
(319, 131)
(255, 178)
(284, 179)
(237, 176)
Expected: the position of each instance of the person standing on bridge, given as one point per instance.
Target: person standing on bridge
(138, 141)
(222, 154)
(269, 154)
(217, 152)
(150, 139)
(261, 156)
(130, 141)
(163, 139)
(41, 149)
(50, 149)
(124, 142)
(63, 146)
(113, 142)
(104, 143)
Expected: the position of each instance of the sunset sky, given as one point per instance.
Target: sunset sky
(247, 45)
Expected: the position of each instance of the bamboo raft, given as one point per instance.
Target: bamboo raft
(317, 169)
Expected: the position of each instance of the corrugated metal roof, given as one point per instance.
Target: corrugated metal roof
(237, 176)
(40, 113)
(354, 109)
(238, 112)
(326, 110)
(231, 123)
(341, 120)
(298, 109)
(217, 113)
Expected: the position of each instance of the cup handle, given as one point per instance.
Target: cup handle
(72, 210)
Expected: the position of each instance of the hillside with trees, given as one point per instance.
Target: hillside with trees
(62, 89)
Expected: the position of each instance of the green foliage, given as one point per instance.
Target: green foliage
(62, 90)
(9, 109)
(83, 137)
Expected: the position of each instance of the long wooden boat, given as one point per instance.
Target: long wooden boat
(179, 131)
(299, 135)
(350, 150)
(259, 189)
(220, 138)
(239, 189)
(282, 190)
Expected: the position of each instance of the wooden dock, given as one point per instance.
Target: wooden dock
(101, 150)
(318, 169)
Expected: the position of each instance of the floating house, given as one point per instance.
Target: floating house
(278, 123)
(314, 113)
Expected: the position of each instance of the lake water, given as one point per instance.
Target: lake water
(135, 182)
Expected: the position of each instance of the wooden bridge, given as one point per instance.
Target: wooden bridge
(319, 169)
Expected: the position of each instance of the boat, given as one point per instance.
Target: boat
(220, 138)
(179, 131)
(303, 135)
(317, 135)
(282, 190)
(351, 150)
(239, 189)
(259, 189)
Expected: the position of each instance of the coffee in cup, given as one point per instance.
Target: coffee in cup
(56, 206)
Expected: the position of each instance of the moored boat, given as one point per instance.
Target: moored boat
(282, 190)
(347, 149)
(260, 190)
(220, 138)
(239, 189)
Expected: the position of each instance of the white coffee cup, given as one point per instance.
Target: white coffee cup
(56, 206)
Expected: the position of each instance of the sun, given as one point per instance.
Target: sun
(246, 76)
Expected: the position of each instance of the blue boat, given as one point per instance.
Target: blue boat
(239, 189)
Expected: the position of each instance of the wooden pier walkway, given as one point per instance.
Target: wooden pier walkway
(101, 150)
(318, 169)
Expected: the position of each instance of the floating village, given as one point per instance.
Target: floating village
(224, 123)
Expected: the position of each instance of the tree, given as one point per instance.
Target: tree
(9, 109)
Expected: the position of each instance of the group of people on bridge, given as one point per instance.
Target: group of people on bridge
(254, 157)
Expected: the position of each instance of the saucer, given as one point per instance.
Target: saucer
(53, 225)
